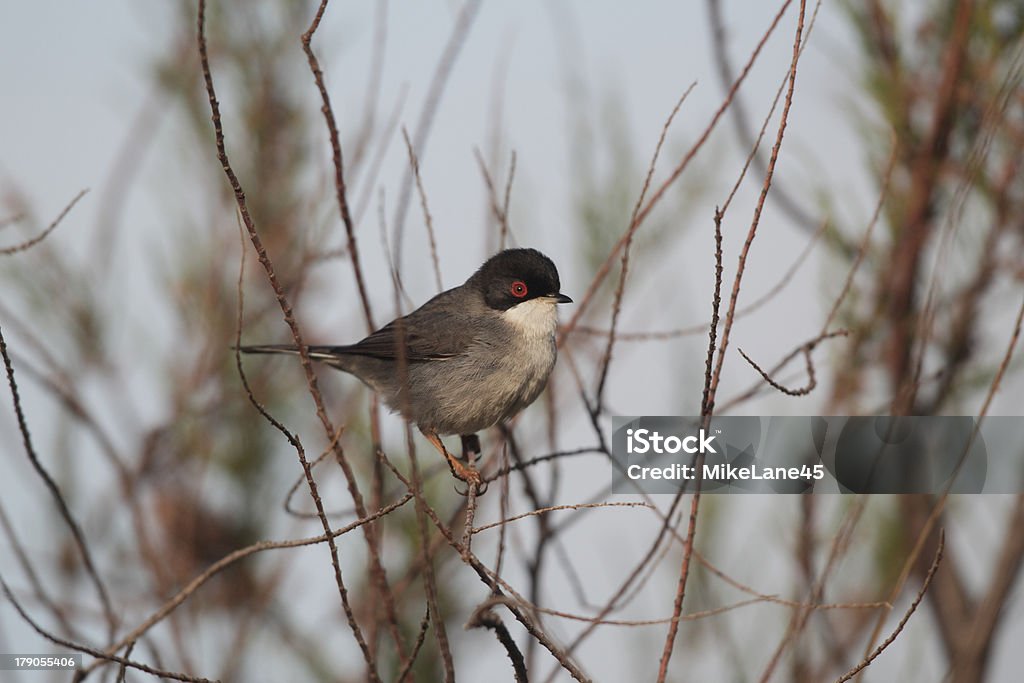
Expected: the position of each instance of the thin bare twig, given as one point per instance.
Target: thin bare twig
(603, 271)
(555, 508)
(752, 232)
(484, 616)
(414, 163)
(906, 617)
(28, 244)
(338, 161)
(866, 240)
(606, 360)
(508, 469)
(457, 38)
(506, 205)
(667, 335)
(561, 655)
(39, 592)
(421, 637)
(741, 124)
(78, 647)
(422, 512)
(806, 349)
(236, 556)
(712, 387)
(289, 317)
(62, 506)
(499, 209)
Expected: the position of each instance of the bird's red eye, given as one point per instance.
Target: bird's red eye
(518, 289)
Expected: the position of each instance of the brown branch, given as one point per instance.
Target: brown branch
(603, 271)
(1005, 574)
(506, 205)
(962, 327)
(766, 377)
(926, 526)
(684, 573)
(236, 556)
(798, 621)
(39, 592)
(1004, 365)
(426, 555)
(503, 511)
(339, 167)
(665, 530)
(707, 404)
(484, 616)
(508, 469)
(78, 647)
(606, 360)
(740, 115)
(864, 663)
(500, 210)
(416, 647)
(866, 240)
(58, 498)
(556, 508)
(812, 381)
(741, 122)
(294, 488)
(616, 305)
(457, 38)
(28, 244)
(414, 163)
(917, 225)
(806, 349)
(707, 407)
(712, 386)
(667, 335)
(536, 563)
(561, 655)
(122, 672)
(752, 232)
(712, 612)
(289, 318)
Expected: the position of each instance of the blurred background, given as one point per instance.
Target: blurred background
(895, 216)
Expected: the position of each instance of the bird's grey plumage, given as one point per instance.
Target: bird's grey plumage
(468, 358)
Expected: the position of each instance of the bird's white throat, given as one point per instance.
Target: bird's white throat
(536, 317)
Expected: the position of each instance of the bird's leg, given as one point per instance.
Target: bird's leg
(467, 472)
(470, 447)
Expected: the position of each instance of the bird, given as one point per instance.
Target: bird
(469, 358)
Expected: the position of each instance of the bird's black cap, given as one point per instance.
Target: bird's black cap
(513, 276)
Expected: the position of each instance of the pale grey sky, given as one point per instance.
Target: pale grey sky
(74, 74)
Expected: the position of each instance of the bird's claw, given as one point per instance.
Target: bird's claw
(463, 468)
(479, 487)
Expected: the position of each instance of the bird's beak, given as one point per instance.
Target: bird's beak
(560, 298)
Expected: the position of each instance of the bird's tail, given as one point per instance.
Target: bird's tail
(322, 353)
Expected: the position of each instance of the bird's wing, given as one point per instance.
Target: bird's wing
(435, 331)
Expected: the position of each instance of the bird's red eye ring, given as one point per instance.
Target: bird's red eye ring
(518, 289)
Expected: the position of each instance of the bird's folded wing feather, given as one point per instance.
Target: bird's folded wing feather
(429, 333)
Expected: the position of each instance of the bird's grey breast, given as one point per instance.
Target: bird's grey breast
(501, 372)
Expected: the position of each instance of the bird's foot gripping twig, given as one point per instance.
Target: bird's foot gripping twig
(465, 471)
